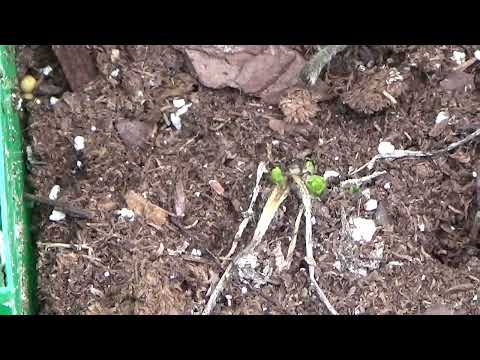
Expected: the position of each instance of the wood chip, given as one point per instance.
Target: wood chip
(145, 208)
(460, 288)
(215, 185)
(180, 199)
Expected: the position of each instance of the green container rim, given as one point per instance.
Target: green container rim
(17, 271)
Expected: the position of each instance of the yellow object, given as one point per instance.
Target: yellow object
(28, 84)
(28, 96)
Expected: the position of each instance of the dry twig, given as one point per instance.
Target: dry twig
(262, 167)
(278, 195)
(401, 154)
(307, 202)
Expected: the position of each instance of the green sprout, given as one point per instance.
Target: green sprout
(355, 189)
(310, 167)
(316, 185)
(277, 176)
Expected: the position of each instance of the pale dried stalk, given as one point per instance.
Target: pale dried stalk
(359, 182)
(262, 167)
(307, 203)
(401, 154)
(212, 301)
(293, 243)
(278, 195)
(64, 246)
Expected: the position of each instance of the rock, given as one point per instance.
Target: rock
(385, 148)
(438, 309)
(135, 133)
(457, 80)
(265, 71)
(78, 65)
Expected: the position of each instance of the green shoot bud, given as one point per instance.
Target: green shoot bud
(316, 185)
(277, 176)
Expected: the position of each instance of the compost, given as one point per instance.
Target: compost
(169, 192)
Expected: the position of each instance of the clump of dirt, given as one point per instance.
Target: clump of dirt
(119, 265)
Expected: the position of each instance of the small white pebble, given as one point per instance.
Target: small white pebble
(275, 142)
(53, 100)
(79, 143)
(477, 55)
(314, 221)
(244, 290)
(53, 195)
(330, 174)
(387, 186)
(362, 230)
(452, 228)
(371, 205)
(337, 265)
(178, 103)
(385, 147)
(458, 57)
(176, 121)
(421, 227)
(423, 277)
(100, 178)
(264, 308)
(115, 73)
(46, 70)
(183, 110)
(197, 194)
(57, 216)
(106, 274)
(336, 158)
(441, 117)
(79, 164)
(196, 252)
(93, 128)
(475, 298)
(19, 104)
(172, 276)
(37, 101)
(474, 174)
(126, 214)
(229, 300)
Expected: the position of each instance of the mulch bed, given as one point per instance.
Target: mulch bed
(110, 265)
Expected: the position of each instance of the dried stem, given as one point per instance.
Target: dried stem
(278, 195)
(401, 154)
(248, 215)
(293, 243)
(70, 210)
(359, 182)
(307, 202)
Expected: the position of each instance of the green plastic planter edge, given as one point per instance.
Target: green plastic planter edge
(17, 266)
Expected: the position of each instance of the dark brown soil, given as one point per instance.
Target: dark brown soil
(123, 267)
